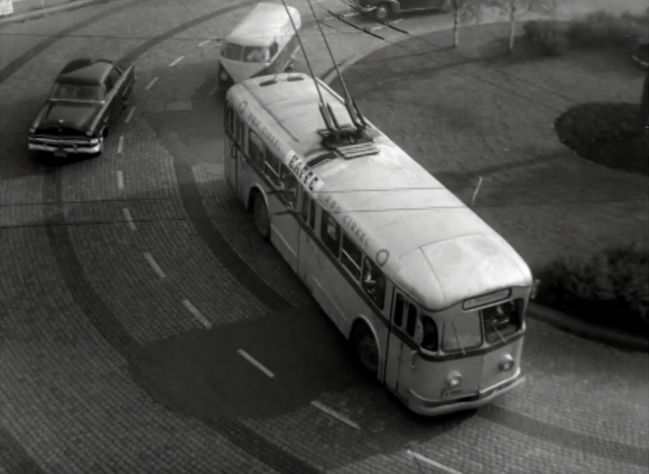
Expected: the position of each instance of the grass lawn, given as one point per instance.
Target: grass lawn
(475, 112)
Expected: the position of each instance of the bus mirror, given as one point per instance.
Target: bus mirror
(535, 289)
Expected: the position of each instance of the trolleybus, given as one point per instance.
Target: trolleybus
(430, 296)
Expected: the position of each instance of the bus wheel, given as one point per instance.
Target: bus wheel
(365, 348)
(262, 222)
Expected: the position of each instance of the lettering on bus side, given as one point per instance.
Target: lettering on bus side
(304, 173)
(381, 256)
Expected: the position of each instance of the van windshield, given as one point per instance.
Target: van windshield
(232, 51)
(254, 54)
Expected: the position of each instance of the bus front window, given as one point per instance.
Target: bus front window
(462, 331)
(502, 320)
(232, 51)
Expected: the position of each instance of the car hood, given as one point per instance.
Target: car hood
(77, 116)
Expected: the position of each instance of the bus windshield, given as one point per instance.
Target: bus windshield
(232, 51)
(502, 320)
(461, 332)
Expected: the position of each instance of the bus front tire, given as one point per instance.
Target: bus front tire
(262, 221)
(365, 348)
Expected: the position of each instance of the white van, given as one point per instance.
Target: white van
(264, 42)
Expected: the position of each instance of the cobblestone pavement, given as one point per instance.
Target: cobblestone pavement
(130, 282)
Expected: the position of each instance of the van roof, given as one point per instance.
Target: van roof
(263, 24)
(441, 252)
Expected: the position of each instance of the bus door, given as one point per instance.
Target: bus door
(285, 229)
(234, 148)
(401, 352)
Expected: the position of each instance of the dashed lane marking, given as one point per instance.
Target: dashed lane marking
(256, 363)
(197, 314)
(203, 43)
(129, 219)
(151, 83)
(430, 462)
(154, 265)
(120, 180)
(130, 115)
(176, 61)
(120, 144)
(214, 89)
(335, 414)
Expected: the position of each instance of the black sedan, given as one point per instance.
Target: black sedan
(87, 97)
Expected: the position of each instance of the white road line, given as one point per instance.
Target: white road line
(130, 114)
(203, 43)
(477, 190)
(154, 265)
(430, 462)
(335, 414)
(129, 219)
(213, 91)
(255, 362)
(120, 180)
(120, 144)
(176, 61)
(197, 314)
(151, 84)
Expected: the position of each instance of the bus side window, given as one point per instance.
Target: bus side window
(290, 185)
(239, 129)
(374, 284)
(351, 257)
(273, 49)
(256, 149)
(330, 233)
(272, 167)
(229, 128)
(411, 323)
(308, 209)
(398, 310)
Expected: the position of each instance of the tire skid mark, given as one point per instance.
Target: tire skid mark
(109, 326)
(31, 53)
(112, 330)
(14, 458)
(609, 449)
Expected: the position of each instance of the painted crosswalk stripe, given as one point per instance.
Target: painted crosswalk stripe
(130, 115)
(129, 219)
(335, 414)
(154, 265)
(432, 463)
(151, 83)
(255, 362)
(176, 61)
(197, 314)
(120, 180)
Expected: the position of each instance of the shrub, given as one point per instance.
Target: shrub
(611, 288)
(547, 37)
(602, 29)
(610, 134)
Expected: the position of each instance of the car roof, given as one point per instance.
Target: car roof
(85, 71)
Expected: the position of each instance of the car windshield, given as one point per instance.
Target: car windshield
(65, 91)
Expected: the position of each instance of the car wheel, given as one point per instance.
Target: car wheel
(365, 348)
(262, 221)
(383, 11)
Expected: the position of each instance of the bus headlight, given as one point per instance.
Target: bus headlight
(507, 363)
(454, 379)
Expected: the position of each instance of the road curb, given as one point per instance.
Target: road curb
(20, 17)
(577, 326)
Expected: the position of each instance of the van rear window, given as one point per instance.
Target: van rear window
(253, 54)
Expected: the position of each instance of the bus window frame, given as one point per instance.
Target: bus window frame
(255, 153)
(326, 239)
(354, 268)
(379, 283)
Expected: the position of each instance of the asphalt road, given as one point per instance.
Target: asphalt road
(145, 327)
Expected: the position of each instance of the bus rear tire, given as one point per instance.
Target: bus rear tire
(365, 348)
(260, 212)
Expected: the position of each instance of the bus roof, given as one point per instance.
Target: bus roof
(440, 251)
(263, 24)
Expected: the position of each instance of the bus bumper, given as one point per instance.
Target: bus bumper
(428, 407)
